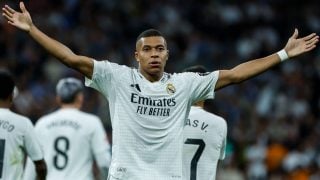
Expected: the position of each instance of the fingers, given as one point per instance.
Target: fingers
(295, 34)
(9, 9)
(310, 36)
(309, 48)
(7, 12)
(8, 17)
(311, 43)
(22, 7)
(313, 40)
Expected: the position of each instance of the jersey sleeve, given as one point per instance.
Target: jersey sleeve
(202, 85)
(100, 145)
(104, 72)
(31, 143)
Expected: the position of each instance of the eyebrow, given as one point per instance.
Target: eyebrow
(156, 46)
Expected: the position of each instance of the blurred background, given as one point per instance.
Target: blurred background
(273, 119)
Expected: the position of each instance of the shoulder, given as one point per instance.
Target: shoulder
(89, 116)
(45, 119)
(218, 121)
(20, 122)
(18, 118)
(210, 117)
(88, 120)
(180, 77)
(110, 65)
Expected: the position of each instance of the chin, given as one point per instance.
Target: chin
(155, 71)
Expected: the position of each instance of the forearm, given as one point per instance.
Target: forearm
(246, 71)
(57, 49)
(255, 67)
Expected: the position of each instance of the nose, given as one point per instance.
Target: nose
(154, 53)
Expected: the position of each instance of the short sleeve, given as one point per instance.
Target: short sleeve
(104, 74)
(101, 77)
(100, 145)
(203, 85)
(31, 143)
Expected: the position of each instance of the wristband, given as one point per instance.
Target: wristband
(283, 55)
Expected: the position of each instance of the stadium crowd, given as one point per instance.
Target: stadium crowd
(272, 119)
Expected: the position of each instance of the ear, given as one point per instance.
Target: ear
(136, 56)
(79, 99)
(167, 55)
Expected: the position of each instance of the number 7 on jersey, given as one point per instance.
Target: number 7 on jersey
(196, 157)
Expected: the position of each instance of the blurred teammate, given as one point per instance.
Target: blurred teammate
(71, 139)
(204, 140)
(16, 137)
(148, 107)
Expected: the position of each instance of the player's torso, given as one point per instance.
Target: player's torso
(11, 145)
(65, 136)
(148, 121)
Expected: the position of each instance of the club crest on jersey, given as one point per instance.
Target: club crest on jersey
(171, 89)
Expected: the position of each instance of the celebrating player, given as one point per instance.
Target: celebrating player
(148, 107)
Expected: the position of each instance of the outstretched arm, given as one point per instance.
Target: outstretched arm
(294, 47)
(23, 21)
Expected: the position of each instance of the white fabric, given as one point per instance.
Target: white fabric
(283, 55)
(71, 140)
(148, 118)
(211, 130)
(16, 135)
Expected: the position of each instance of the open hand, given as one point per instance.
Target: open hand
(21, 19)
(296, 46)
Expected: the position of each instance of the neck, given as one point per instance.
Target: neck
(68, 106)
(5, 104)
(151, 77)
(199, 104)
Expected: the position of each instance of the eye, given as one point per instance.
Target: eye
(146, 49)
(160, 48)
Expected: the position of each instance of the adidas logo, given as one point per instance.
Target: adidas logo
(136, 86)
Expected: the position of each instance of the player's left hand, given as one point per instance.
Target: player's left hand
(296, 46)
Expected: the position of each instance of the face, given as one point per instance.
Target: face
(152, 55)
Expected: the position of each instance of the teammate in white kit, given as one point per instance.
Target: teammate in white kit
(72, 140)
(16, 137)
(204, 140)
(149, 107)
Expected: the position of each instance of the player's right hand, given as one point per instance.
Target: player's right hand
(21, 19)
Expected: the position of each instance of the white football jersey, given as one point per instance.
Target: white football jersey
(148, 118)
(71, 140)
(16, 136)
(204, 144)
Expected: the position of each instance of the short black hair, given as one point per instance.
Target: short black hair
(68, 88)
(7, 84)
(149, 33)
(196, 69)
